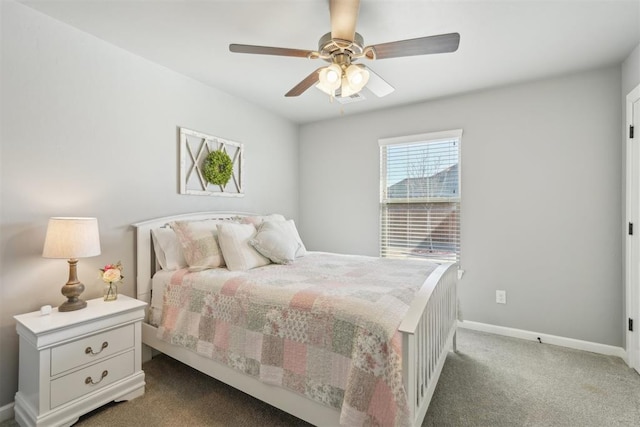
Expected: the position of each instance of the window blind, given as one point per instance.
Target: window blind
(420, 196)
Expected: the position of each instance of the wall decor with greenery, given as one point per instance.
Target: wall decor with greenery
(210, 165)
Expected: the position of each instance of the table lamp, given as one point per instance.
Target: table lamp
(72, 238)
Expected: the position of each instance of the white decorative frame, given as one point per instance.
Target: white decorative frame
(194, 148)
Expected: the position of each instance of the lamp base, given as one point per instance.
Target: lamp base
(72, 305)
(72, 290)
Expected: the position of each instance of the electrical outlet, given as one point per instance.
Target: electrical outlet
(501, 297)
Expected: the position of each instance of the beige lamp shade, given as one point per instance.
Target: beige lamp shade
(72, 238)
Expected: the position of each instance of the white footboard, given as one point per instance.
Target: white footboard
(428, 332)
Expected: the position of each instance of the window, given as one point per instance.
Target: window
(420, 196)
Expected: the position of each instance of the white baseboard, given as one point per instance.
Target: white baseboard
(593, 347)
(6, 412)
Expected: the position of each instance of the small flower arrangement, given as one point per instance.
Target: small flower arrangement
(111, 274)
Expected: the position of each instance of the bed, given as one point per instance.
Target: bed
(426, 331)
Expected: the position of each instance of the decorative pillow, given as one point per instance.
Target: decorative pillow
(199, 243)
(259, 219)
(238, 253)
(168, 249)
(277, 241)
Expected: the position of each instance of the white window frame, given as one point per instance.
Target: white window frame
(430, 137)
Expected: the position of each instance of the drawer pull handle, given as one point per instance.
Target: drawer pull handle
(89, 380)
(89, 350)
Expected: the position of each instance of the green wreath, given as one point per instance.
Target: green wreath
(217, 168)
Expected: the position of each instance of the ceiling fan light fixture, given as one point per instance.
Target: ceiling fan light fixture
(333, 74)
(346, 90)
(330, 79)
(356, 77)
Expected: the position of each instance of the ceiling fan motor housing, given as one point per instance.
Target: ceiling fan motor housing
(339, 51)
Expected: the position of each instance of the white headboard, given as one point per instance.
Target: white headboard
(146, 263)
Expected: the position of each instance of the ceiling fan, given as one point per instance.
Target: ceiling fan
(343, 46)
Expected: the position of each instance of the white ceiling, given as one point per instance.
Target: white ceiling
(502, 42)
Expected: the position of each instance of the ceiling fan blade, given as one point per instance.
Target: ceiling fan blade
(377, 85)
(305, 84)
(344, 14)
(266, 50)
(442, 43)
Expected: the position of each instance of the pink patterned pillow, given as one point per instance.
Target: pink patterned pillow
(199, 240)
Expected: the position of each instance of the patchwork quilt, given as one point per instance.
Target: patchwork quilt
(324, 326)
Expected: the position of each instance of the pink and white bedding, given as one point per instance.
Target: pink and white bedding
(324, 326)
(159, 283)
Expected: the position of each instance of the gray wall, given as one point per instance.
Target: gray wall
(90, 130)
(631, 71)
(541, 191)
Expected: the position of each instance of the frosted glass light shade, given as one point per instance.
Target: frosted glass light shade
(355, 79)
(71, 238)
(350, 81)
(330, 79)
(332, 75)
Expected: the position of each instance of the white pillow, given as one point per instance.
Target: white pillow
(168, 249)
(238, 253)
(277, 241)
(259, 220)
(199, 243)
(302, 250)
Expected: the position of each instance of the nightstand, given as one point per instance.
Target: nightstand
(73, 362)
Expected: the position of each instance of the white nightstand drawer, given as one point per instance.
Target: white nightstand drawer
(91, 378)
(90, 349)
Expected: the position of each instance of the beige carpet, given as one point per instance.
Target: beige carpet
(490, 381)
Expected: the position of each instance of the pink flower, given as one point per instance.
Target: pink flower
(112, 273)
